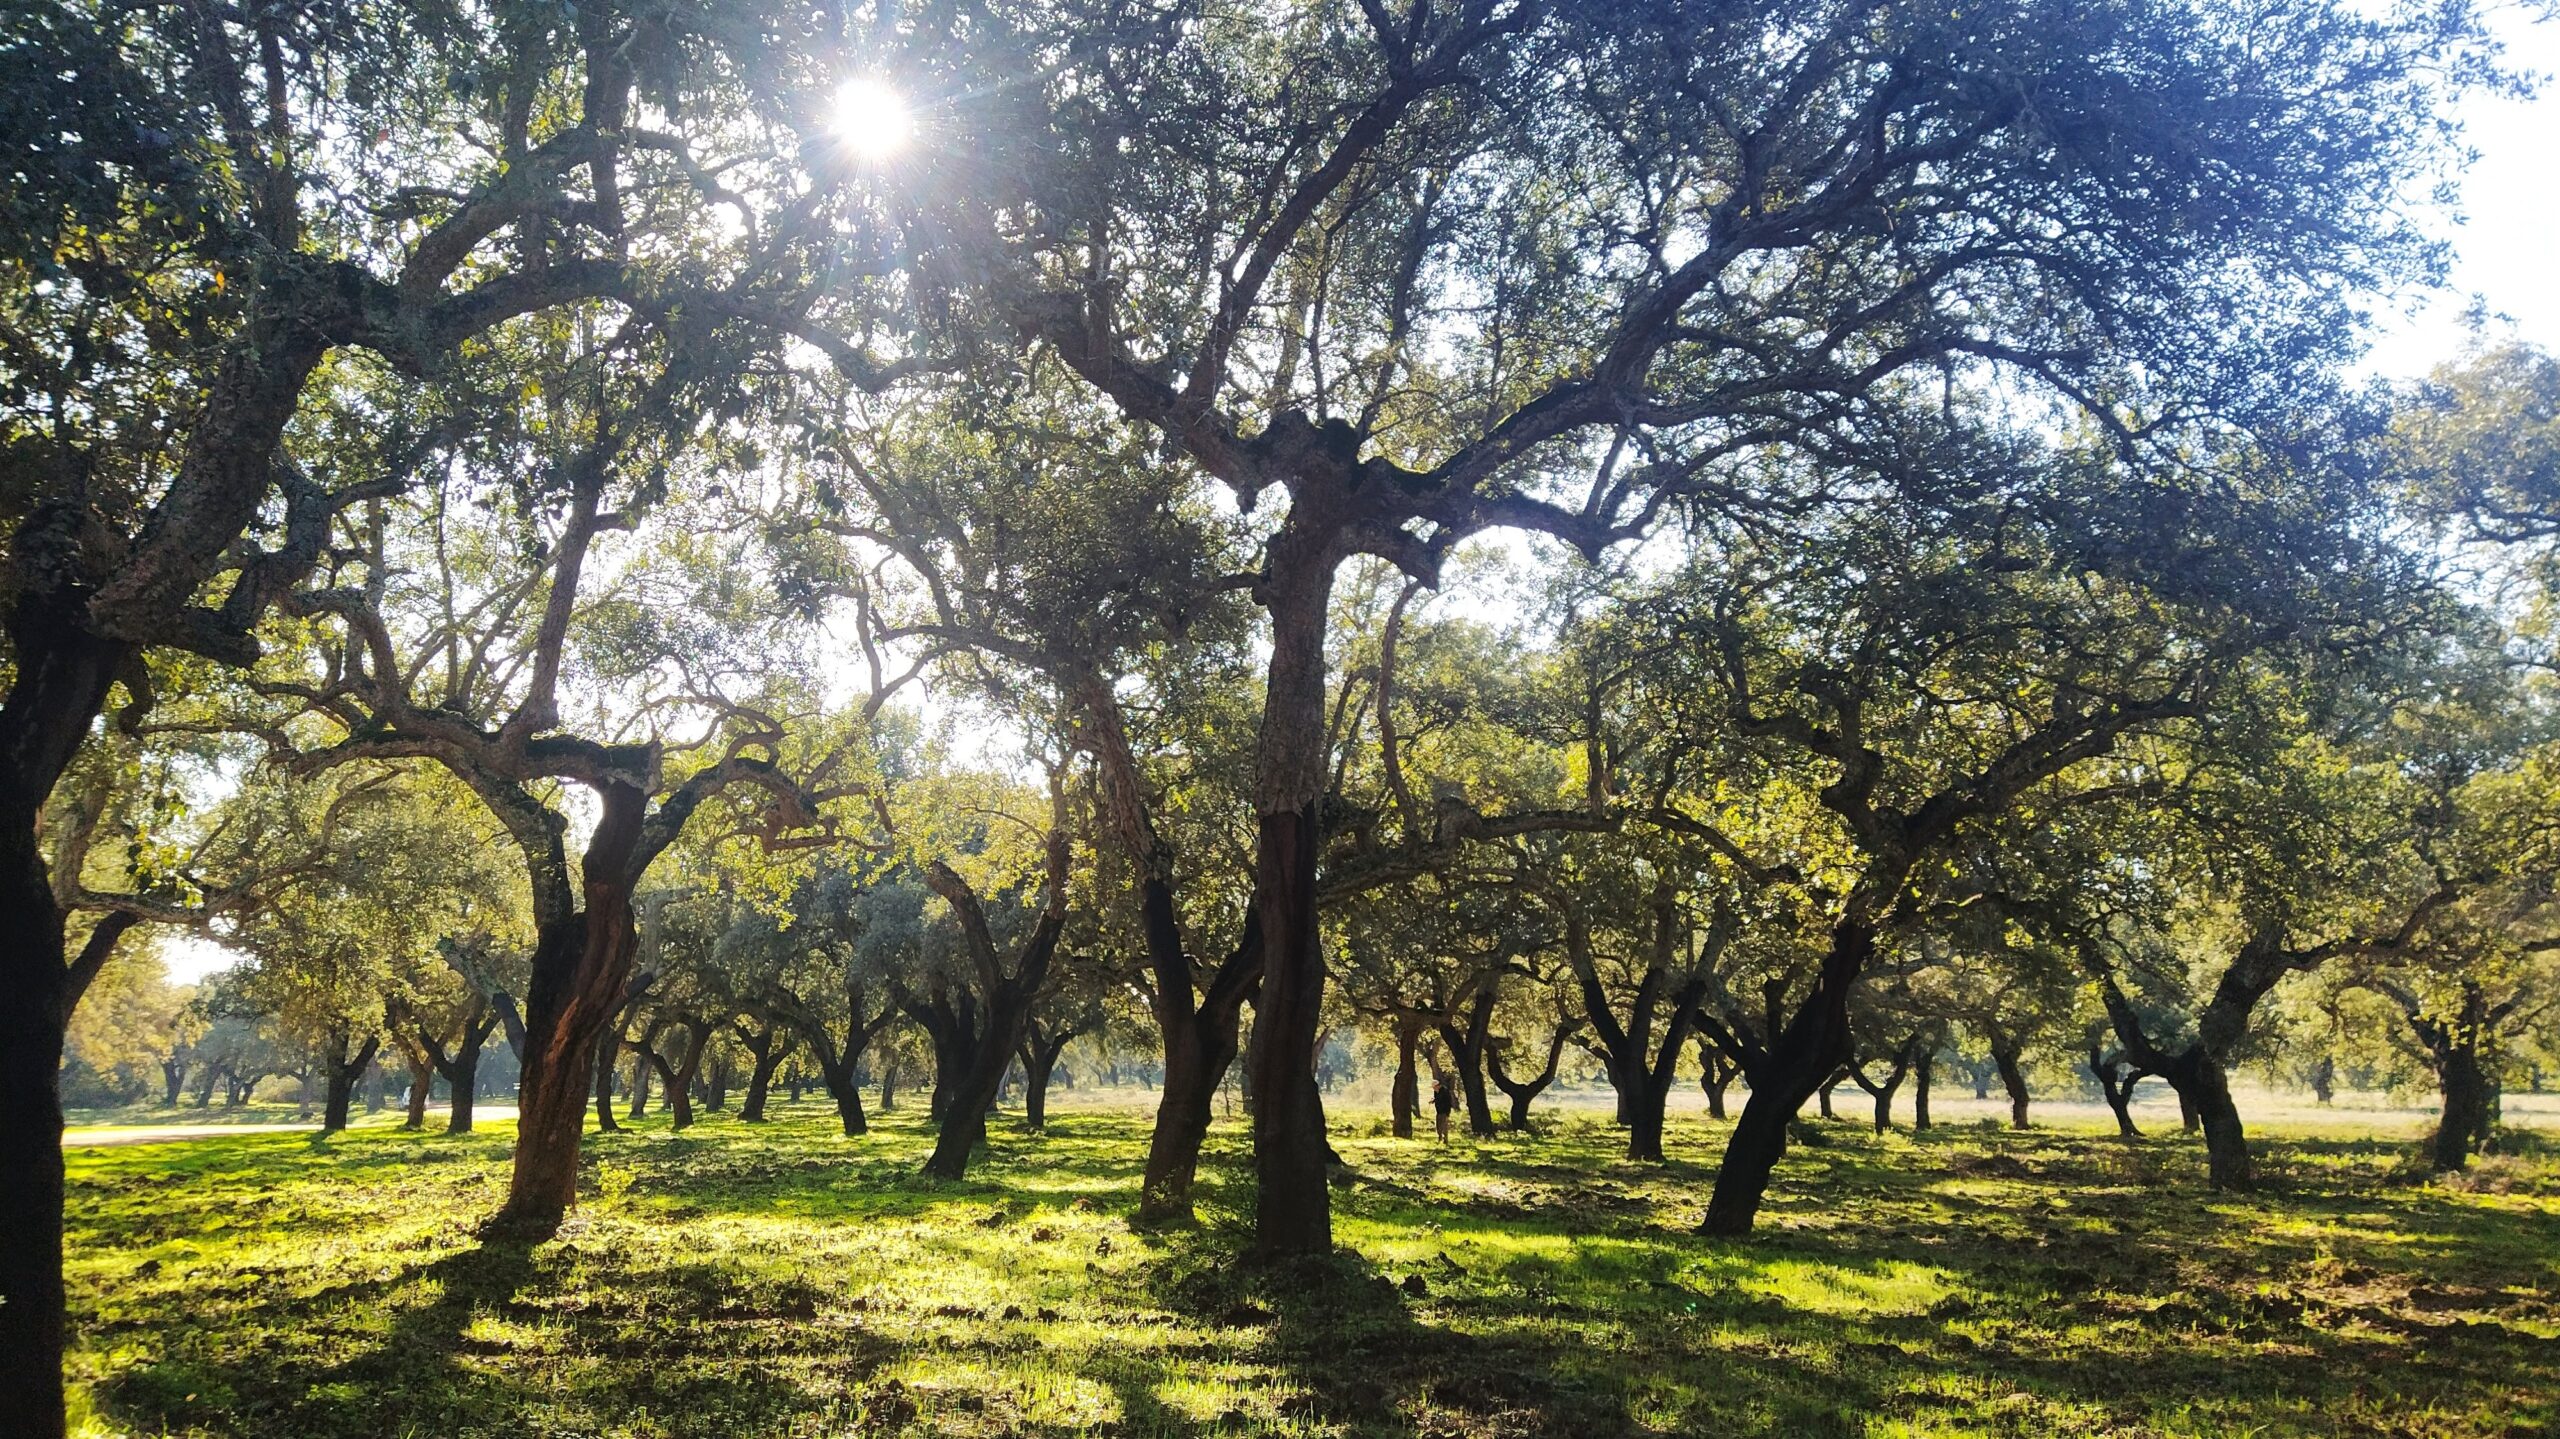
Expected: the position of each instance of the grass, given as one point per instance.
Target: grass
(782, 1280)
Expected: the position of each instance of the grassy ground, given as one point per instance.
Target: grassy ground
(782, 1280)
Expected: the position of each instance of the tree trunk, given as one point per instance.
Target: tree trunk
(2464, 1083)
(2204, 1095)
(680, 1081)
(1921, 1069)
(579, 965)
(421, 1081)
(462, 1077)
(844, 1087)
(1467, 1043)
(1825, 1088)
(768, 1056)
(1200, 1041)
(373, 1086)
(35, 1008)
(1808, 1051)
(173, 1075)
(609, 1046)
(1716, 1070)
(1038, 1063)
(340, 1073)
(1292, 1208)
(2324, 1080)
(969, 1094)
(2009, 1060)
(1405, 1095)
(888, 1081)
(1521, 1092)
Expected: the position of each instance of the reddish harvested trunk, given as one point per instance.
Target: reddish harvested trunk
(580, 964)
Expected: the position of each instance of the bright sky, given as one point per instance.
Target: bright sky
(2508, 244)
(2507, 266)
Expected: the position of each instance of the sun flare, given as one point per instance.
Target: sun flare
(872, 119)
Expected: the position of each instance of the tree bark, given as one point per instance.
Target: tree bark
(340, 1073)
(1292, 1207)
(1467, 1044)
(1521, 1092)
(1201, 1037)
(1809, 1050)
(1922, 1067)
(422, 1078)
(844, 1086)
(579, 965)
(768, 1053)
(2464, 1084)
(1404, 1096)
(2228, 1164)
(2116, 1081)
(2009, 1060)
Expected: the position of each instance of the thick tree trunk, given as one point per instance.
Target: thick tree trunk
(1200, 1041)
(609, 1046)
(1716, 1071)
(462, 1077)
(340, 1073)
(680, 1081)
(1404, 1097)
(1922, 1067)
(579, 965)
(2204, 1093)
(1292, 1210)
(422, 1078)
(2009, 1061)
(1809, 1050)
(1467, 1043)
(844, 1087)
(2464, 1083)
(173, 1076)
(1292, 1207)
(1825, 1088)
(768, 1051)
(972, 1092)
(1039, 1061)
(34, 1012)
(644, 1063)
(888, 1081)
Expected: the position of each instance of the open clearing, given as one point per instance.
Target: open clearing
(783, 1280)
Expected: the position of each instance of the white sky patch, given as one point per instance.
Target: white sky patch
(2508, 244)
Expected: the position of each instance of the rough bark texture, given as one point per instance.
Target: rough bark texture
(59, 687)
(579, 966)
(1292, 1208)
(1792, 1065)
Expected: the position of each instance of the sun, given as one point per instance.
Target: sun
(872, 119)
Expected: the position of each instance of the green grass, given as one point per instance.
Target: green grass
(782, 1280)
